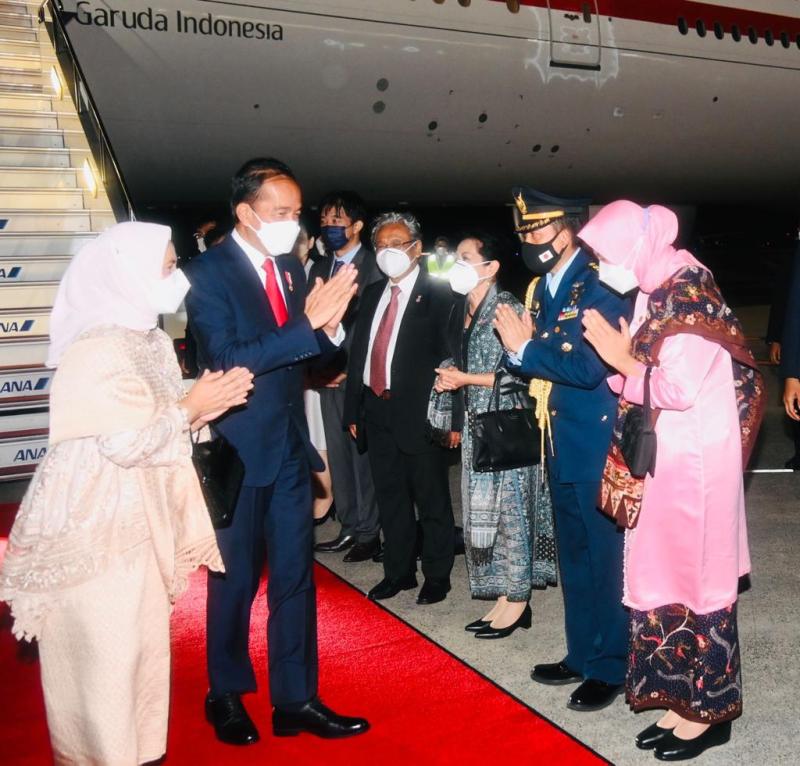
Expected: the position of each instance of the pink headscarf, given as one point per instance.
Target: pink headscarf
(639, 239)
(109, 281)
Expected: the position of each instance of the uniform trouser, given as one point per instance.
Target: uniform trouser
(273, 523)
(590, 551)
(353, 489)
(402, 481)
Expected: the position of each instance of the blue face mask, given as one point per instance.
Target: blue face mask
(334, 237)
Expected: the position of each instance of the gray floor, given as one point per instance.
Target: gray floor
(767, 734)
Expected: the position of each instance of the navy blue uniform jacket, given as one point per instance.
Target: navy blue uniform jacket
(582, 406)
(234, 326)
(790, 339)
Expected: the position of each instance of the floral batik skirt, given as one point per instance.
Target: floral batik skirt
(685, 662)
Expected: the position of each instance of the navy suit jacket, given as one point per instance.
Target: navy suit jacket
(790, 339)
(233, 324)
(582, 406)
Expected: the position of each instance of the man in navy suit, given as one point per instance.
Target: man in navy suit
(248, 308)
(581, 409)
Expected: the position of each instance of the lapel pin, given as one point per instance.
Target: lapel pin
(288, 278)
(419, 298)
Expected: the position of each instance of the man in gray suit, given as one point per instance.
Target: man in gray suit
(342, 219)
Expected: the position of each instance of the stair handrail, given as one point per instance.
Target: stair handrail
(103, 153)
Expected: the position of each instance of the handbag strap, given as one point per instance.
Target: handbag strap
(649, 418)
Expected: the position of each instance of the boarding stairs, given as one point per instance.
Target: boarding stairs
(50, 205)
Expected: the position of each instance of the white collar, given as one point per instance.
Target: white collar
(406, 284)
(256, 256)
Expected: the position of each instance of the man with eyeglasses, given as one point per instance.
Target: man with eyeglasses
(398, 340)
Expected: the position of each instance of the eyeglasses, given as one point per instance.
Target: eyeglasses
(395, 244)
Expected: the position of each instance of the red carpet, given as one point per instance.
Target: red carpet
(426, 707)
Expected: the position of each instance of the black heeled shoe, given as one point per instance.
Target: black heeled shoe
(672, 748)
(474, 627)
(524, 621)
(329, 514)
(648, 738)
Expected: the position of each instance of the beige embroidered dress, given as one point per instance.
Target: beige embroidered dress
(112, 523)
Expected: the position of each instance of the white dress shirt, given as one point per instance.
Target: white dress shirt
(406, 285)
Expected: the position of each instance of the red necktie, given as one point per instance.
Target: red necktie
(380, 346)
(276, 302)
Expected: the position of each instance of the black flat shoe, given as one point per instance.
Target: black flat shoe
(337, 545)
(433, 592)
(523, 621)
(329, 514)
(474, 627)
(378, 557)
(315, 718)
(594, 695)
(555, 674)
(650, 737)
(231, 723)
(387, 588)
(363, 551)
(672, 748)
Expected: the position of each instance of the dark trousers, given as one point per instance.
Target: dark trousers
(590, 549)
(353, 489)
(402, 481)
(272, 523)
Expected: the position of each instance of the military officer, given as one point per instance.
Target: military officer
(547, 344)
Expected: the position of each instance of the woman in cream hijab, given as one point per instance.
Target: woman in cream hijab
(114, 519)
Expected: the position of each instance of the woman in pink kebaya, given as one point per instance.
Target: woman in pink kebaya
(686, 544)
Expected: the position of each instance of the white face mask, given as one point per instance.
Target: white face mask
(618, 278)
(167, 294)
(392, 261)
(464, 277)
(277, 237)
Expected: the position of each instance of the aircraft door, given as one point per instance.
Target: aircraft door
(575, 35)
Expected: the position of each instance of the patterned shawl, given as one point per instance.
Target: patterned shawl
(688, 302)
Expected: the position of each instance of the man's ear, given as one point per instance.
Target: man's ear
(244, 214)
(416, 248)
(358, 226)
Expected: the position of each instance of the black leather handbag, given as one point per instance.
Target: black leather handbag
(504, 439)
(221, 472)
(638, 443)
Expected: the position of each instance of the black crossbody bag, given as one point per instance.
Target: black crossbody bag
(638, 443)
(221, 473)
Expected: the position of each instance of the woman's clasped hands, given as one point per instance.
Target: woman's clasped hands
(214, 393)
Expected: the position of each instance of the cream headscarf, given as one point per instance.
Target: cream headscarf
(110, 281)
(639, 239)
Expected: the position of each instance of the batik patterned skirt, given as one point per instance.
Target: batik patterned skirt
(686, 662)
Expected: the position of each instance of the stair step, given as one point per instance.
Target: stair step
(25, 47)
(31, 89)
(11, 75)
(23, 323)
(65, 220)
(11, 19)
(40, 178)
(23, 352)
(28, 295)
(25, 385)
(32, 269)
(13, 32)
(44, 199)
(19, 6)
(27, 102)
(19, 157)
(42, 244)
(38, 138)
(39, 120)
(20, 456)
(29, 62)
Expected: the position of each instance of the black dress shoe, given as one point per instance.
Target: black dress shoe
(315, 718)
(555, 674)
(363, 551)
(378, 557)
(672, 748)
(337, 545)
(650, 737)
(593, 695)
(523, 621)
(231, 723)
(474, 627)
(793, 464)
(387, 588)
(432, 592)
(329, 514)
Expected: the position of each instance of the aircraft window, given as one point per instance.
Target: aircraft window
(464, 3)
(513, 5)
(587, 12)
(683, 27)
(752, 35)
(785, 41)
(719, 32)
(769, 37)
(700, 26)
(736, 33)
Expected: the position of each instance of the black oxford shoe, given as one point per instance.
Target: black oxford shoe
(337, 545)
(433, 592)
(363, 551)
(387, 588)
(555, 674)
(672, 748)
(231, 723)
(593, 695)
(650, 737)
(315, 718)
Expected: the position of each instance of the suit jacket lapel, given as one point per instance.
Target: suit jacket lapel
(283, 265)
(565, 286)
(246, 280)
